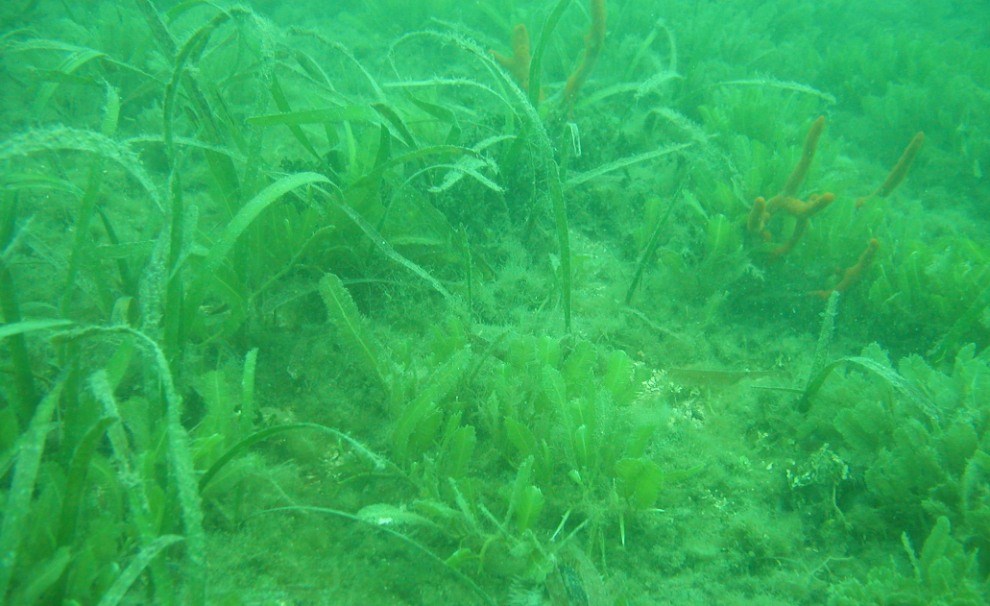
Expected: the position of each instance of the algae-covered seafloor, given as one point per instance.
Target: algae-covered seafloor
(557, 302)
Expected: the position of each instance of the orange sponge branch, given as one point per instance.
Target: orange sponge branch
(854, 273)
(898, 173)
(802, 211)
(594, 41)
(518, 64)
(807, 155)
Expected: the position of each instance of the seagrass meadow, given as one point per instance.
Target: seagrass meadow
(543, 302)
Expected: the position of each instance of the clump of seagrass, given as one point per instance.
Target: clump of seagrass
(351, 330)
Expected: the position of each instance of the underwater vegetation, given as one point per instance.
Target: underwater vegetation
(568, 302)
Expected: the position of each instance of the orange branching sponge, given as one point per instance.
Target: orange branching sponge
(807, 155)
(758, 217)
(897, 173)
(802, 212)
(594, 41)
(763, 210)
(854, 273)
(518, 64)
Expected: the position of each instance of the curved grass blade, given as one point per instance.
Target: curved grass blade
(579, 178)
(455, 83)
(178, 141)
(536, 64)
(397, 125)
(416, 545)
(318, 74)
(454, 174)
(183, 474)
(26, 326)
(65, 72)
(386, 249)
(42, 577)
(179, 454)
(283, 106)
(81, 53)
(122, 584)
(787, 85)
(249, 409)
(526, 113)
(960, 330)
(343, 113)
(63, 138)
(76, 483)
(190, 52)
(259, 436)
(30, 448)
(250, 211)
(648, 252)
(890, 376)
(15, 181)
(350, 325)
(453, 151)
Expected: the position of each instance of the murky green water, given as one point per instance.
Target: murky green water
(557, 302)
